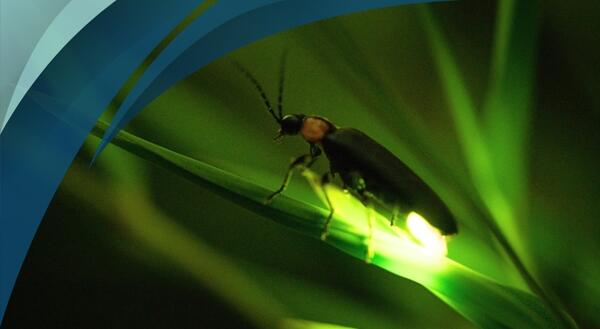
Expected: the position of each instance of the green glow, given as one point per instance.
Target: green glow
(430, 237)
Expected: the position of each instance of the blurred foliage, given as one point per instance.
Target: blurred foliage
(379, 71)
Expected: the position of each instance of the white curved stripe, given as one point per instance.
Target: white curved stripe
(73, 17)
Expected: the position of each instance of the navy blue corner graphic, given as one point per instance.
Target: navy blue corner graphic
(55, 116)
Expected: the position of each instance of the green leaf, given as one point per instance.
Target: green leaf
(478, 298)
(507, 106)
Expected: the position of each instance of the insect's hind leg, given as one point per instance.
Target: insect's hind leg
(305, 160)
(367, 199)
(395, 214)
(325, 232)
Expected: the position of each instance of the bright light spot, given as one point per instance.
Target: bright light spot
(428, 236)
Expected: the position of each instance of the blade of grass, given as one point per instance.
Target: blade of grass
(478, 298)
(507, 106)
(480, 163)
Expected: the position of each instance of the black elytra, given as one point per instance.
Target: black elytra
(366, 168)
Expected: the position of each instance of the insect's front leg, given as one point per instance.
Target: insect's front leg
(303, 161)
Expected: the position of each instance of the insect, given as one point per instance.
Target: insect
(367, 169)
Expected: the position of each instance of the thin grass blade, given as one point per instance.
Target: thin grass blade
(478, 298)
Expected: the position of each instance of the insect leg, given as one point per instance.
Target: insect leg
(367, 201)
(395, 213)
(325, 232)
(305, 160)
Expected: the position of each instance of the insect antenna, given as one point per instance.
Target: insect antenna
(252, 79)
(281, 82)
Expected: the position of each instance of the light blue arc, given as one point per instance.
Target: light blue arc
(73, 17)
